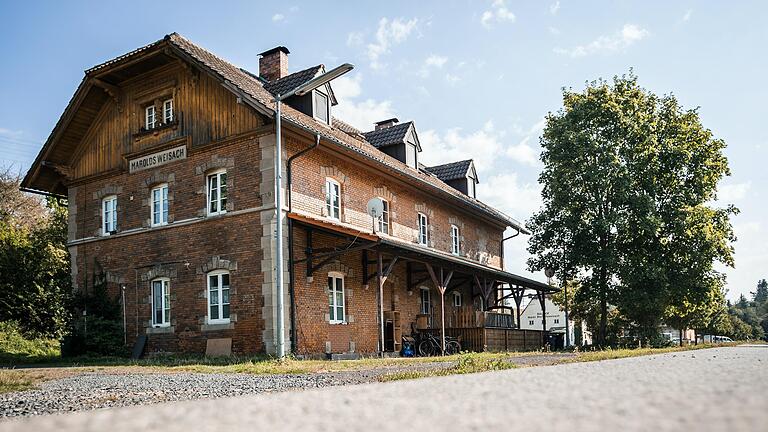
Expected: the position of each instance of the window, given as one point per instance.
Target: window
(384, 218)
(160, 205)
(150, 120)
(410, 155)
(530, 322)
(557, 321)
(336, 298)
(455, 240)
(333, 198)
(161, 303)
(109, 215)
(471, 187)
(426, 301)
(321, 107)
(218, 297)
(168, 111)
(422, 223)
(457, 299)
(217, 193)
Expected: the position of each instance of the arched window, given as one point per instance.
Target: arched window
(161, 302)
(218, 297)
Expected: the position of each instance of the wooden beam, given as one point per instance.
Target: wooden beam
(112, 90)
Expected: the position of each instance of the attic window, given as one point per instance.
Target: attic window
(321, 107)
(410, 155)
(150, 118)
(471, 187)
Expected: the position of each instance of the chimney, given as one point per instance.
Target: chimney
(386, 123)
(273, 64)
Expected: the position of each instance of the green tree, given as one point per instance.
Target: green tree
(760, 296)
(625, 181)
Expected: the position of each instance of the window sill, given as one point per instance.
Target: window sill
(338, 322)
(156, 130)
(217, 326)
(161, 330)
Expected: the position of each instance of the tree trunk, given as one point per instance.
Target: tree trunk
(681, 335)
(601, 334)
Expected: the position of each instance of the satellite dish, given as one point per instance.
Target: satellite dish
(375, 208)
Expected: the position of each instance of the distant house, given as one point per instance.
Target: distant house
(531, 317)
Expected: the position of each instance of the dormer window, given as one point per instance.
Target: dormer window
(410, 154)
(320, 107)
(168, 111)
(471, 187)
(150, 118)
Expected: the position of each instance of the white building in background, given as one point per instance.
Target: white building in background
(530, 319)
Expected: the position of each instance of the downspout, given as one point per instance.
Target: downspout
(502, 267)
(291, 274)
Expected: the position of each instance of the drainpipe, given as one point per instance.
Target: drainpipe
(291, 274)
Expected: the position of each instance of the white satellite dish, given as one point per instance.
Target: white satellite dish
(375, 208)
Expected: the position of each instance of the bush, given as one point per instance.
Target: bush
(17, 347)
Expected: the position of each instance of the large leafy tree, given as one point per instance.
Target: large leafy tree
(625, 181)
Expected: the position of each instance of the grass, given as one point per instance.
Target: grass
(467, 363)
(16, 380)
(16, 348)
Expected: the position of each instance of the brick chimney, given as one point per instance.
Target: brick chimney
(273, 64)
(386, 123)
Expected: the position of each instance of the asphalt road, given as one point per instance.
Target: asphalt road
(722, 389)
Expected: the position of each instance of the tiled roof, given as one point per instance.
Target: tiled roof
(252, 90)
(388, 136)
(290, 82)
(452, 170)
(346, 127)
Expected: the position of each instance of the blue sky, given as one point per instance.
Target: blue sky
(476, 76)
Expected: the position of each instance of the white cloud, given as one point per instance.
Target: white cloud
(360, 114)
(354, 39)
(483, 146)
(506, 192)
(554, 8)
(278, 17)
(390, 33)
(687, 15)
(497, 13)
(554, 31)
(434, 61)
(452, 79)
(730, 193)
(524, 152)
(619, 41)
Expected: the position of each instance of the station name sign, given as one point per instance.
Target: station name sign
(157, 159)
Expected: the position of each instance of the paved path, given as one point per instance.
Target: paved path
(721, 389)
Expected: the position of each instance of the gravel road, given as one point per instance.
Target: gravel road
(720, 389)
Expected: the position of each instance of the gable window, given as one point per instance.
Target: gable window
(455, 240)
(161, 302)
(410, 155)
(160, 205)
(333, 198)
(218, 297)
(422, 223)
(150, 118)
(109, 215)
(168, 111)
(384, 218)
(336, 304)
(457, 299)
(217, 193)
(471, 187)
(322, 109)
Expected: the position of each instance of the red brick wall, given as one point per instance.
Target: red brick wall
(187, 246)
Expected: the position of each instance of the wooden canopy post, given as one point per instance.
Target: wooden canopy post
(542, 300)
(442, 285)
(518, 296)
(381, 276)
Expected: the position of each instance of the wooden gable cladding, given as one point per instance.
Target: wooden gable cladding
(204, 112)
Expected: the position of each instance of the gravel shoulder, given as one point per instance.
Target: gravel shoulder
(707, 390)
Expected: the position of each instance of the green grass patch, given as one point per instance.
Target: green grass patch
(467, 363)
(17, 348)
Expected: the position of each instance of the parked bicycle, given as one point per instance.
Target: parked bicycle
(429, 345)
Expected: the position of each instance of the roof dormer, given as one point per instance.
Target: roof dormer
(396, 139)
(460, 175)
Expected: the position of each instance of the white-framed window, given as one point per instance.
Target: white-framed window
(168, 111)
(457, 299)
(530, 322)
(557, 320)
(321, 107)
(471, 187)
(333, 198)
(426, 301)
(159, 205)
(150, 117)
(384, 218)
(410, 155)
(218, 297)
(109, 215)
(455, 240)
(161, 302)
(217, 192)
(422, 221)
(336, 300)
